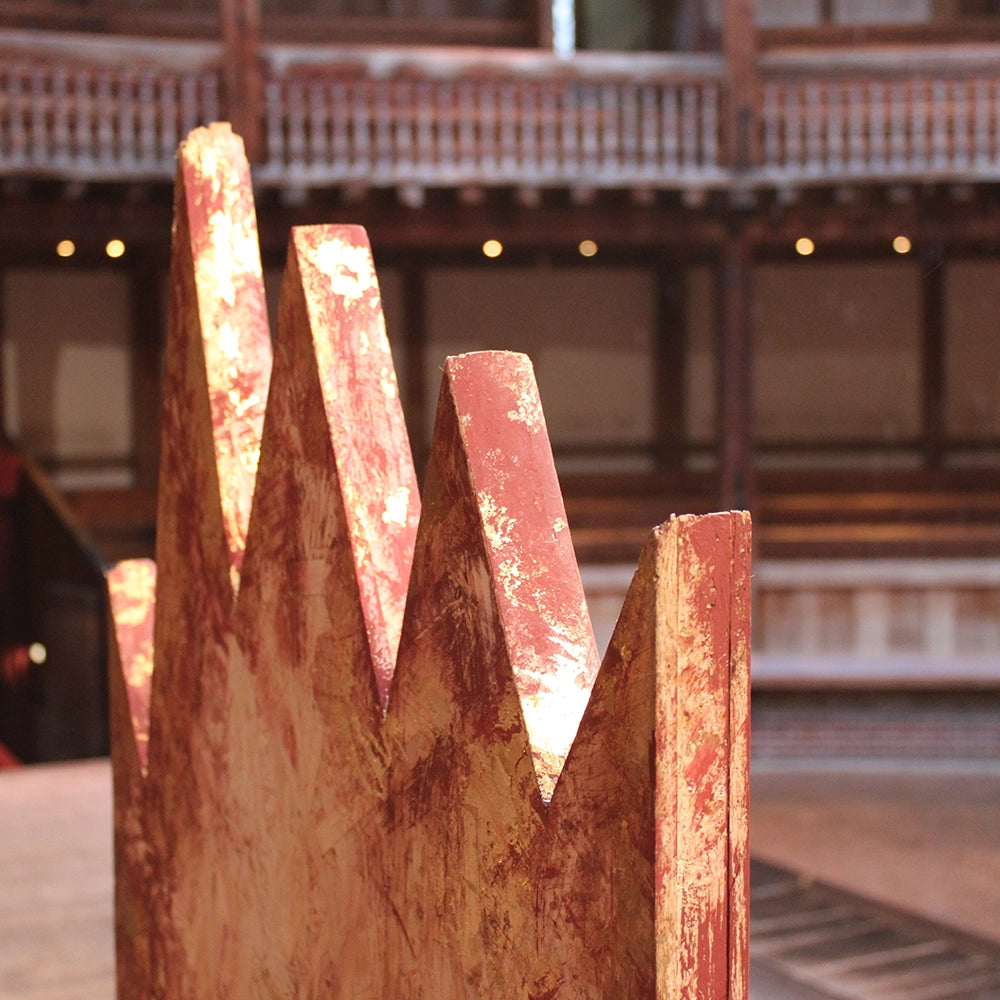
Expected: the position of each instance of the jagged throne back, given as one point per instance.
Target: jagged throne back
(367, 748)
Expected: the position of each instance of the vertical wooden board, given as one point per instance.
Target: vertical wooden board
(132, 597)
(465, 802)
(216, 372)
(307, 765)
(595, 877)
(693, 766)
(739, 760)
(667, 762)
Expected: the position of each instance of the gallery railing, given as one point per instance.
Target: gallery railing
(103, 108)
(880, 114)
(444, 118)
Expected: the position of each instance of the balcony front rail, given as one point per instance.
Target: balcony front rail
(487, 118)
(903, 114)
(93, 108)
(89, 108)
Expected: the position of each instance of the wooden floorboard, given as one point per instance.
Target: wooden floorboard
(56, 919)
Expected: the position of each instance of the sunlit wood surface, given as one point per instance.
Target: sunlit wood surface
(888, 835)
(56, 935)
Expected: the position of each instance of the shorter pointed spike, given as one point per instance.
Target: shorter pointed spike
(132, 596)
(540, 598)
(381, 501)
(131, 599)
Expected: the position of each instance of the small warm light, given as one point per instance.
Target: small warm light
(114, 248)
(492, 248)
(902, 244)
(804, 246)
(37, 653)
(65, 248)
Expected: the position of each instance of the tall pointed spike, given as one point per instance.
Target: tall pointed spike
(305, 718)
(132, 596)
(217, 368)
(219, 339)
(366, 426)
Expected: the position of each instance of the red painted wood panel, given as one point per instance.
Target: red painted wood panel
(383, 757)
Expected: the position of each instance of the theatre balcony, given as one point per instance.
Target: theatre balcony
(385, 95)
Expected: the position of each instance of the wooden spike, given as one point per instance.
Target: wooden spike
(221, 345)
(132, 598)
(465, 801)
(701, 776)
(537, 585)
(216, 374)
(306, 765)
(365, 424)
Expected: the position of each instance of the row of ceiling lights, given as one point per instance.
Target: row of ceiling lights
(113, 248)
(586, 248)
(804, 246)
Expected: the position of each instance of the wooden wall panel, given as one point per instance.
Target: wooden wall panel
(384, 759)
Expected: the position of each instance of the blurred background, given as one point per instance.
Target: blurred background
(750, 247)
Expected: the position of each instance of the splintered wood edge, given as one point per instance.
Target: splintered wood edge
(702, 734)
(739, 760)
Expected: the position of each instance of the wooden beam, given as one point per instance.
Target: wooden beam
(148, 319)
(742, 122)
(670, 352)
(243, 74)
(933, 383)
(414, 342)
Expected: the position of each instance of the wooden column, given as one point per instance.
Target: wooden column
(932, 357)
(148, 319)
(244, 82)
(414, 385)
(735, 379)
(543, 24)
(670, 366)
(742, 122)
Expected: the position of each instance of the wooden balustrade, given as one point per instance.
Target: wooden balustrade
(543, 125)
(830, 117)
(91, 116)
(84, 108)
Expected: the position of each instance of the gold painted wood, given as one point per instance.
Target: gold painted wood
(383, 757)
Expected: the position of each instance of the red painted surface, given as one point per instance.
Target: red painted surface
(7, 759)
(361, 706)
